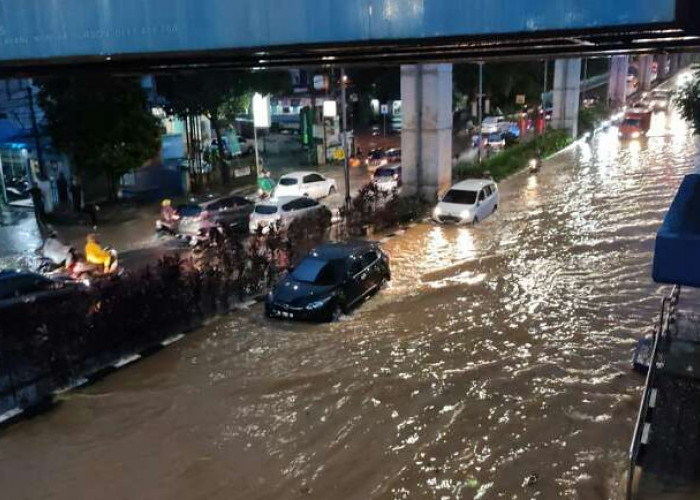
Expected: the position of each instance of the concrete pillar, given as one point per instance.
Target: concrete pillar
(566, 95)
(426, 135)
(646, 65)
(662, 64)
(617, 87)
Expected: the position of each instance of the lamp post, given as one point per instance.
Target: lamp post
(343, 103)
(481, 110)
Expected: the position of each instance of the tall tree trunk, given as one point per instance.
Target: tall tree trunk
(225, 173)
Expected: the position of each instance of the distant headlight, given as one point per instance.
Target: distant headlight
(318, 304)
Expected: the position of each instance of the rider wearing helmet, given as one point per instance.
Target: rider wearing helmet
(95, 254)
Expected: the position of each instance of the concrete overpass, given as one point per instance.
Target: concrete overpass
(152, 34)
(40, 36)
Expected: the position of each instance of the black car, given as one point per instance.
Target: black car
(331, 280)
(20, 288)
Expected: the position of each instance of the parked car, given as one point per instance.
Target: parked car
(280, 212)
(393, 156)
(247, 146)
(376, 158)
(388, 178)
(497, 141)
(470, 201)
(329, 282)
(309, 184)
(19, 288)
(494, 124)
(197, 219)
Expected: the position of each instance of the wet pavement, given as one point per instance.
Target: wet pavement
(496, 365)
(19, 236)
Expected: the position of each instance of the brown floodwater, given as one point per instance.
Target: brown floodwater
(496, 365)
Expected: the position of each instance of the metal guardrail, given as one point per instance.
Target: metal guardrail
(668, 307)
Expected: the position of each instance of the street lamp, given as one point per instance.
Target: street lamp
(343, 103)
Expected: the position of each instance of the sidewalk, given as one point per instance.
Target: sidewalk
(19, 236)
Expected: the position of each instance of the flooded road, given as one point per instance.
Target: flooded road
(496, 365)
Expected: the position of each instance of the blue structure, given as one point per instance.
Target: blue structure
(677, 253)
(34, 30)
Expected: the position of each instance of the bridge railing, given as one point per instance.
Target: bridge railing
(668, 308)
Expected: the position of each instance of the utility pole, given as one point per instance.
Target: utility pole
(343, 103)
(35, 132)
(481, 110)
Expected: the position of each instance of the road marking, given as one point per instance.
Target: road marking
(9, 415)
(652, 399)
(645, 433)
(73, 385)
(172, 340)
(127, 360)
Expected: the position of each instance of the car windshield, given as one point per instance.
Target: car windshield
(631, 122)
(288, 181)
(189, 210)
(495, 138)
(460, 197)
(266, 209)
(376, 155)
(318, 272)
(384, 172)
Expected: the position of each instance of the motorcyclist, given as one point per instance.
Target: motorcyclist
(95, 254)
(168, 216)
(266, 185)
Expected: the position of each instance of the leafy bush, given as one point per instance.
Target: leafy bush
(687, 99)
(511, 160)
(381, 210)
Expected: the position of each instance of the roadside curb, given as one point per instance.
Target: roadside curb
(18, 414)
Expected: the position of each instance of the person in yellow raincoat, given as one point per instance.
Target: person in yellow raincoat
(95, 254)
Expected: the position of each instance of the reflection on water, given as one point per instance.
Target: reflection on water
(496, 365)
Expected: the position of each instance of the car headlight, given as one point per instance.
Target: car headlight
(318, 304)
(636, 135)
(437, 211)
(466, 214)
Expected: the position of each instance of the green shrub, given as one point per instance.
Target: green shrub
(513, 159)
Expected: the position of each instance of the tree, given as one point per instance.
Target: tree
(102, 123)
(687, 98)
(218, 95)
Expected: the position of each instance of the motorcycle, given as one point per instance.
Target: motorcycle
(83, 270)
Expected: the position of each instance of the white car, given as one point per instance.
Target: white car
(467, 202)
(494, 125)
(280, 212)
(309, 184)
